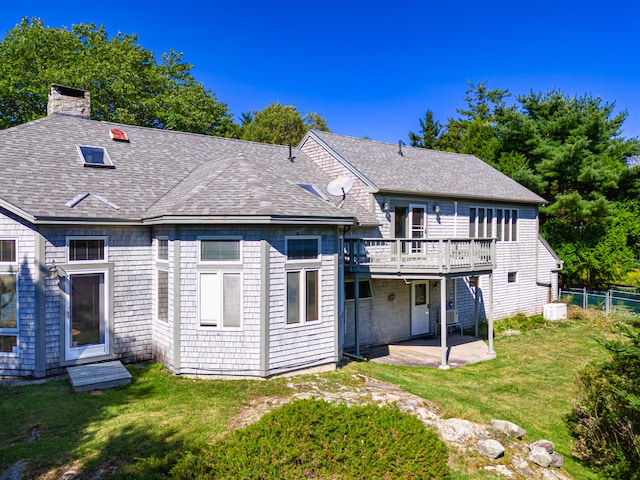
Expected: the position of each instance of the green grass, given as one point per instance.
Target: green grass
(531, 382)
(160, 421)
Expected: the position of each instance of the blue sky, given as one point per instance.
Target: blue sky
(373, 68)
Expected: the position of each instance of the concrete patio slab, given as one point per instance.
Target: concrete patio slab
(427, 352)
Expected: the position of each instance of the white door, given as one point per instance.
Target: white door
(86, 319)
(419, 308)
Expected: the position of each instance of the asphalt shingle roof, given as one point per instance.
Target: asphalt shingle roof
(157, 173)
(427, 172)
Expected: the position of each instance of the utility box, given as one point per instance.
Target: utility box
(555, 311)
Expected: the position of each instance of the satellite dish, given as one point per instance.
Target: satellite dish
(340, 186)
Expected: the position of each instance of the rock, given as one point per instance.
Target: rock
(546, 444)
(557, 460)
(540, 456)
(501, 470)
(457, 430)
(509, 428)
(490, 448)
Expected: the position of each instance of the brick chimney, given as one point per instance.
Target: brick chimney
(69, 101)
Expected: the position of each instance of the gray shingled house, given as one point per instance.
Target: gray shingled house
(228, 258)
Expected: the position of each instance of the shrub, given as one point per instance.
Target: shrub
(520, 323)
(315, 439)
(606, 418)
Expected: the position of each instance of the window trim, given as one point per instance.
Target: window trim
(302, 260)
(15, 251)
(95, 165)
(302, 296)
(13, 332)
(157, 302)
(88, 237)
(515, 277)
(366, 280)
(237, 238)
(512, 232)
(220, 326)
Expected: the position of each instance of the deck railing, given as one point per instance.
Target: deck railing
(409, 255)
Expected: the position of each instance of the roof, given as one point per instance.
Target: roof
(423, 171)
(159, 175)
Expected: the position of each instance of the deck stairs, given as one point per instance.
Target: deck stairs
(97, 376)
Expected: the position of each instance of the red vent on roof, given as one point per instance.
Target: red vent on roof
(118, 135)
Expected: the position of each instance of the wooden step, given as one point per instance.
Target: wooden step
(98, 376)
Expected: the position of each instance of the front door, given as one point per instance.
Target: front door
(419, 308)
(86, 323)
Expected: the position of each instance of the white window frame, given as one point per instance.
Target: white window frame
(12, 332)
(224, 262)
(507, 234)
(302, 237)
(302, 296)
(15, 246)
(220, 324)
(88, 237)
(515, 277)
(158, 240)
(162, 265)
(109, 163)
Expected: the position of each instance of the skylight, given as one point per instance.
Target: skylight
(95, 156)
(313, 190)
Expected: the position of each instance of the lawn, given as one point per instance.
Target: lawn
(162, 420)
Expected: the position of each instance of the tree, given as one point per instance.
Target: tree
(429, 134)
(474, 131)
(279, 124)
(126, 82)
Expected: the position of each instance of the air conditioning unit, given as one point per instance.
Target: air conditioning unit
(452, 316)
(555, 311)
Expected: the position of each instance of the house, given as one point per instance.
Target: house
(220, 257)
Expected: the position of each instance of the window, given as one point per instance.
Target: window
(303, 248)
(163, 295)
(303, 296)
(95, 156)
(512, 277)
(220, 250)
(8, 251)
(506, 224)
(87, 249)
(220, 299)
(364, 290)
(163, 249)
(8, 313)
(480, 222)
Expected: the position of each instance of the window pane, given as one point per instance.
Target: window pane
(209, 299)
(8, 303)
(219, 250)
(312, 296)
(8, 343)
(7, 250)
(499, 224)
(95, 155)
(512, 277)
(481, 225)
(489, 223)
(507, 225)
(514, 225)
(85, 250)
(231, 303)
(302, 248)
(293, 297)
(163, 249)
(365, 289)
(472, 222)
(401, 222)
(349, 291)
(163, 295)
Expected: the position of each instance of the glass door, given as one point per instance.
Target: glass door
(418, 225)
(87, 332)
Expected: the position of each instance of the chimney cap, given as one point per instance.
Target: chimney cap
(68, 91)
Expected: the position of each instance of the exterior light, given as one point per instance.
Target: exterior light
(54, 269)
(436, 208)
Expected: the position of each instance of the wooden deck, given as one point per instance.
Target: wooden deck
(98, 376)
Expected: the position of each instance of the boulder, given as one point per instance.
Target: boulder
(557, 460)
(457, 430)
(546, 444)
(540, 456)
(490, 448)
(508, 428)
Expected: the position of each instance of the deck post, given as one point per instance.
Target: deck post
(475, 306)
(443, 322)
(490, 316)
(356, 312)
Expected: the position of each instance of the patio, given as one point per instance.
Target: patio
(427, 352)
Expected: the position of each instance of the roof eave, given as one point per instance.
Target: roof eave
(246, 220)
(393, 191)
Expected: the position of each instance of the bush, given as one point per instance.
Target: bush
(315, 439)
(520, 323)
(606, 418)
